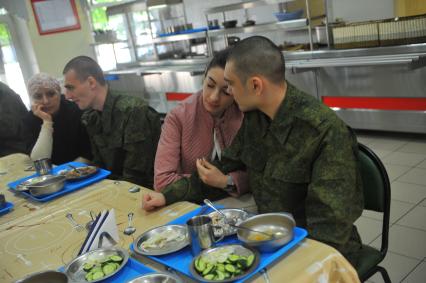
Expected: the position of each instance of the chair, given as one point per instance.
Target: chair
(377, 198)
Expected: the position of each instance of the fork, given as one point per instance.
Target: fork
(77, 226)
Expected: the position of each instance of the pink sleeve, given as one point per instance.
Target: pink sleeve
(240, 179)
(167, 159)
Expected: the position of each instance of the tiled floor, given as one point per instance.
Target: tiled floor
(404, 156)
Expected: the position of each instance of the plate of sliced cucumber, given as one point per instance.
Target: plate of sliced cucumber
(97, 265)
(225, 263)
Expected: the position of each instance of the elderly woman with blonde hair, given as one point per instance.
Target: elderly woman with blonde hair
(53, 128)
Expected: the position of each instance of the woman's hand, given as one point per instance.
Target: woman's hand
(153, 200)
(210, 175)
(37, 110)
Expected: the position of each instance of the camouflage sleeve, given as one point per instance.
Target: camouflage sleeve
(141, 135)
(334, 198)
(191, 189)
(231, 156)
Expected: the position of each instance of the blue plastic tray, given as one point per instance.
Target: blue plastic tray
(70, 186)
(7, 208)
(182, 259)
(130, 271)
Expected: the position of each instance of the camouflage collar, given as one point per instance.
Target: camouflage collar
(108, 110)
(281, 125)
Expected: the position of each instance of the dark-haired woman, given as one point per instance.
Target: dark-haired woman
(202, 126)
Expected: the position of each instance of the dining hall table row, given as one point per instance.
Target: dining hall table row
(37, 236)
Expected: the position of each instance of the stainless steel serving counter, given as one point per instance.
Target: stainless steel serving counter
(380, 88)
(162, 83)
(371, 88)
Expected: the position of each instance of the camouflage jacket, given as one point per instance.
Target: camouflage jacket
(124, 138)
(12, 112)
(303, 161)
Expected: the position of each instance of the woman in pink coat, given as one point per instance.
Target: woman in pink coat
(202, 126)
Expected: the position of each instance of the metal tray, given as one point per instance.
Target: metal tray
(68, 187)
(170, 247)
(181, 260)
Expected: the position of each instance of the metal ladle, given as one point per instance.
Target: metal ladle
(129, 229)
(275, 235)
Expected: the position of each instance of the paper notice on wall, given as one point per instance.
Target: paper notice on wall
(55, 14)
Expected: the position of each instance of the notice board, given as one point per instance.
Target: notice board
(55, 15)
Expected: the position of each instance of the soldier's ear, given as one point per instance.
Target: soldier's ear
(92, 82)
(257, 85)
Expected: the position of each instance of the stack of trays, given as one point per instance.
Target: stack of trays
(395, 31)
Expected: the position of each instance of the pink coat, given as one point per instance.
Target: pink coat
(187, 134)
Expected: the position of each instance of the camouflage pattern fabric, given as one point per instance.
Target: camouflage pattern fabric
(124, 138)
(303, 162)
(12, 112)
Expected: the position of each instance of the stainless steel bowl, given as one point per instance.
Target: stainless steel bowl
(233, 214)
(42, 185)
(49, 276)
(74, 269)
(158, 277)
(270, 223)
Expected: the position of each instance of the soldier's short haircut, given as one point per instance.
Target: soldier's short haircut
(84, 67)
(258, 55)
(218, 60)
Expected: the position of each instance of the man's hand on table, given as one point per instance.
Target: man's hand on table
(153, 200)
(210, 175)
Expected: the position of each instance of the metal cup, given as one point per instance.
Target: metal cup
(201, 236)
(43, 166)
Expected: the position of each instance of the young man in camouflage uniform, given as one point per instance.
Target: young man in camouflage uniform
(12, 112)
(123, 130)
(300, 157)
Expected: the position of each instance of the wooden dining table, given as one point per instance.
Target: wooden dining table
(37, 236)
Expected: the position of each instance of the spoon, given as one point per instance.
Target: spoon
(209, 203)
(134, 189)
(129, 229)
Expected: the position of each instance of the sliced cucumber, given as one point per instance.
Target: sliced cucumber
(109, 268)
(208, 269)
(250, 260)
(219, 275)
(209, 276)
(116, 258)
(98, 275)
(230, 268)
